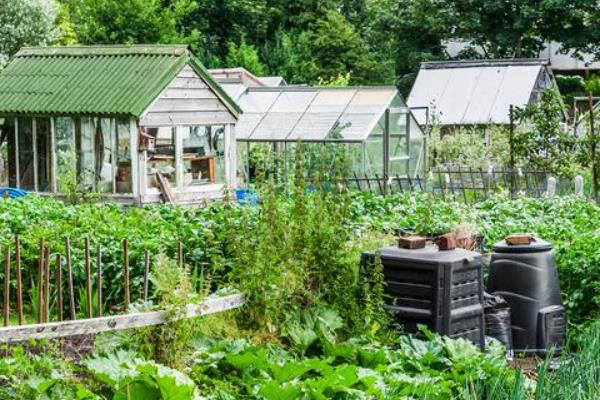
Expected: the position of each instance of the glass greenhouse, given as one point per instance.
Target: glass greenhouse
(373, 124)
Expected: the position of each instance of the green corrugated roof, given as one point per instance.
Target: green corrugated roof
(95, 79)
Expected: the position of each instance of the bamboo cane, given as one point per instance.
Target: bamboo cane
(46, 284)
(19, 282)
(6, 310)
(99, 279)
(72, 314)
(40, 280)
(88, 281)
(59, 292)
(126, 271)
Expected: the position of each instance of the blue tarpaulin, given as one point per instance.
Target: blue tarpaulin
(12, 193)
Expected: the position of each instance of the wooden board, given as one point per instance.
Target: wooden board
(13, 334)
(165, 188)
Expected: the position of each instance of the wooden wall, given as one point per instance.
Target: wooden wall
(187, 101)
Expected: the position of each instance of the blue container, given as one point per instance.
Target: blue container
(246, 196)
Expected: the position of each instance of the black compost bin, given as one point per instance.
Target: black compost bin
(442, 290)
(525, 275)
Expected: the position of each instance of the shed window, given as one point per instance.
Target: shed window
(64, 128)
(163, 159)
(8, 171)
(25, 142)
(86, 157)
(200, 154)
(105, 145)
(123, 153)
(43, 153)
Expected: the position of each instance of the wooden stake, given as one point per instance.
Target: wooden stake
(146, 272)
(180, 253)
(19, 282)
(88, 281)
(59, 292)
(99, 279)
(40, 280)
(72, 314)
(46, 284)
(126, 272)
(6, 287)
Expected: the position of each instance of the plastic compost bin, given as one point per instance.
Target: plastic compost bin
(442, 290)
(526, 276)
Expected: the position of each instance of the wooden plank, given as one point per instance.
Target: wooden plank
(165, 188)
(187, 118)
(118, 322)
(186, 83)
(173, 93)
(198, 105)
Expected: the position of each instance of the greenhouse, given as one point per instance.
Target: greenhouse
(136, 124)
(372, 125)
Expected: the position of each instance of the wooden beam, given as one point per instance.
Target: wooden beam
(118, 322)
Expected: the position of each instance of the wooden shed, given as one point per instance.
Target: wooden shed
(138, 124)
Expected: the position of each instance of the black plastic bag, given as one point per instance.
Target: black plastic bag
(497, 319)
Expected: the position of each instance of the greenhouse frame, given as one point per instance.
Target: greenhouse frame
(381, 132)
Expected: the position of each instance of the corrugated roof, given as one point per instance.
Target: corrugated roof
(95, 79)
(475, 92)
(312, 113)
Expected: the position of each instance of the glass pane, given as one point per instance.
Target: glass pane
(105, 138)
(163, 159)
(65, 148)
(44, 153)
(8, 168)
(202, 154)
(25, 138)
(86, 160)
(123, 172)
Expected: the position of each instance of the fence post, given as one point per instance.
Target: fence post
(579, 185)
(551, 191)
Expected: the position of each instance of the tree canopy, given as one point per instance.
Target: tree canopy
(307, 41)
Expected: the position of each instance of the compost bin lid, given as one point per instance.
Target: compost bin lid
(429, 254)
(536, 245)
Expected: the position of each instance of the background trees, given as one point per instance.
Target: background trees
(26, 23)
(376, 41)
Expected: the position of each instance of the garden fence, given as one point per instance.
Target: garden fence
(467, 184)
(56, 277)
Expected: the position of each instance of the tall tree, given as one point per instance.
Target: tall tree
(132, 21)
(26, 23)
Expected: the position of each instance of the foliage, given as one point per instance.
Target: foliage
(438, 368)
(131, 21)
(131, 378)
(543, 142)
(26, 23)
(246, 56)
(468, 147)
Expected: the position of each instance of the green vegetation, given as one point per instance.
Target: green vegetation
(375, 41)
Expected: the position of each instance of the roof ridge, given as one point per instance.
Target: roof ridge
(115, 50)
(484, 63)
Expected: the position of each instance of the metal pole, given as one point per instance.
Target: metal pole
(386, 150)
(512, 149)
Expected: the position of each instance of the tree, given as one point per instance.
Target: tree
(245, 56)
(132, 21)
(26, 23)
